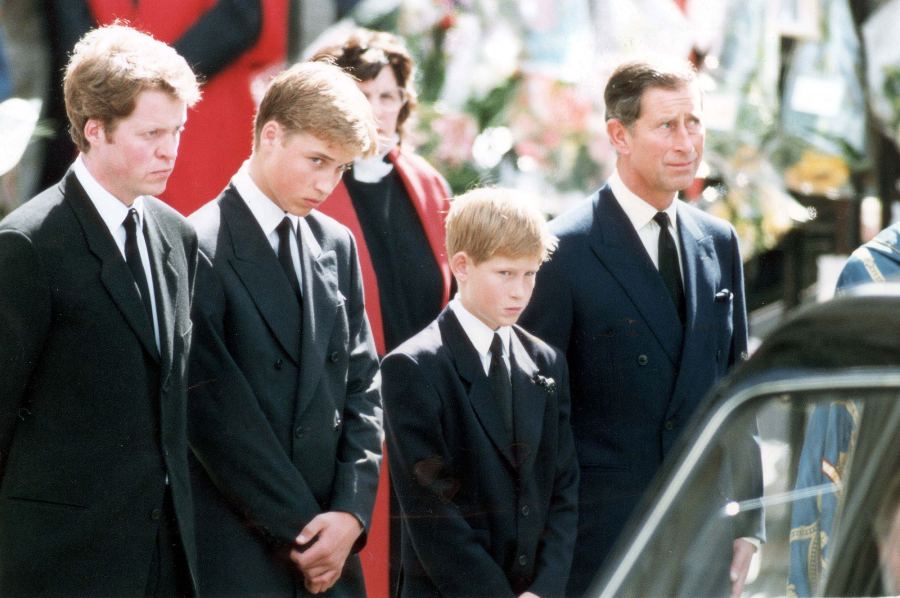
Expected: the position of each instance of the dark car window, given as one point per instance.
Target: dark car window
(804, 468)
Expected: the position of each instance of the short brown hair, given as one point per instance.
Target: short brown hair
(365, 52)
(627, 84)
(323, 101)
(492, 221)
(110, 66)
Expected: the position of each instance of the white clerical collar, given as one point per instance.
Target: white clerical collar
(266, 211)
(375, 168)
(480, 334)
(111, 210)
(638, 211)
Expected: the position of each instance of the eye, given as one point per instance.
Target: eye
(531, 273)
(316, 160)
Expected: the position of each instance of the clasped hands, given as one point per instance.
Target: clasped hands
(322, 548)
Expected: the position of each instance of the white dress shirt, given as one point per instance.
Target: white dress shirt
(113, 213)
(481, 335)
(268, 215)
(641, 214)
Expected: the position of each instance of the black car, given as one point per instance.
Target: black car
(821, 400)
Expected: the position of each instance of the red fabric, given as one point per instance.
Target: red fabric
(219, 130)
(428, 193)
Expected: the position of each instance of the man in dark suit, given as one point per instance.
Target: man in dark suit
(645, 295)
(96, 280)
(284, 366)
(477, 414)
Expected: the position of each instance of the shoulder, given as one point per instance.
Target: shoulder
(543, 354)
(708, 224)
(35, 214)
(576, 221)
(426, 346)
(330, 233)
(207, 221)
(168, 217)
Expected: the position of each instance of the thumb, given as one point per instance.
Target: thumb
(309, 532)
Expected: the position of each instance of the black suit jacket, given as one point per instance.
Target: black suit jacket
(474, 522)
(287, 424)
(637, 375)
(92, 415)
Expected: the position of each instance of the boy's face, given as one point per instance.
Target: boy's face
(298, 171)
(497, 290)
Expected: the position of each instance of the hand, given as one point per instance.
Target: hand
(740, 565)
(325, 543)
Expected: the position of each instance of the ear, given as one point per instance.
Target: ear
(459, 265)
(270, 134)
(94, 132)
(619, 136)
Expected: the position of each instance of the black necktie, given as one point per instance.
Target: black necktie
(284, 255)
(668, 264)
(501, 384)
(133, 258)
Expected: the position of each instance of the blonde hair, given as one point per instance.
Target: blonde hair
(323, 101)
(492, 221)
(110, 66)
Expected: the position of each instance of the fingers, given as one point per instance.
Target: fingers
(740, 565)
(311, 530)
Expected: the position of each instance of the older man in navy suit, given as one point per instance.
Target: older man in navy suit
(645, 295)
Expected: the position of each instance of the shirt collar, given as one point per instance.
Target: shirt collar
(266, 211)
(638, 211)
(479, 333)
(111, 210)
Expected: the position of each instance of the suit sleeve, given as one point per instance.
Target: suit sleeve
(359, 449)
(24, 323)
(556, 550)
(230, 434)
(419, 466)
(549, 313)
(221, 35)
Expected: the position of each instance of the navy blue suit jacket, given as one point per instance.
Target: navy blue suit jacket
(636, 374)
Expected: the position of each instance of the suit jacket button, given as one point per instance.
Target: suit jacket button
(643, 359)
(669, 425)
(278, 364)
(156, 514)
(298, 432)
(525, 511)
(334, 357)
(523, 560)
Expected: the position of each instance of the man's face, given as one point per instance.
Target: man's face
(137, 156)
(497, 290)
(661, 151)
(298, 171)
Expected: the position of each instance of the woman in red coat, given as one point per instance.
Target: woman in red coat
(395, 204)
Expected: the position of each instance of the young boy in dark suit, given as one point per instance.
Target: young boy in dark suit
(477, 419)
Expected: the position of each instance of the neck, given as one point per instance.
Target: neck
(661, 200)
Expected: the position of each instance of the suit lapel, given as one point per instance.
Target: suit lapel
(529, 403)
(701, 270)
(480, 396)
(257, 266)
(114, 272)
(321, 297)
(165, 278)
(616, 244)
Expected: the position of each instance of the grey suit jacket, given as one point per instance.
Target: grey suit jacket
(285, 414)
(92, 415)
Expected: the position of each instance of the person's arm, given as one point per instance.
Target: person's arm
(739, 333)
(344, 528)
(555, 552)
(221, 35)
(420, 467)
(229, 433)
(25, 315)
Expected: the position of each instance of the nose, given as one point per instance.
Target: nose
(168, 146)
(682, 139)
(326, 183)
